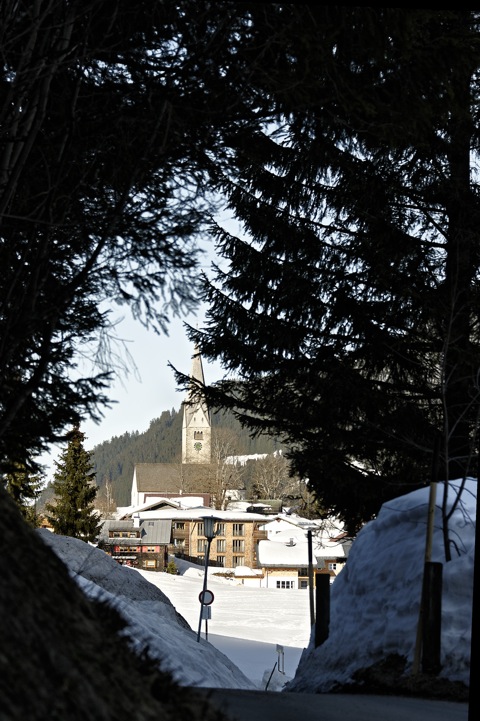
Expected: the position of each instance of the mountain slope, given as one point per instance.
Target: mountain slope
(115, 459)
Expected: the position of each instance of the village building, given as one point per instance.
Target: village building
(192, 475)
(153, 481)
(285, 563)
(138, 543)
(236, 539)
(254, 542)
(177, 493)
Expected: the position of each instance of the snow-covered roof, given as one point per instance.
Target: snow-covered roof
(246, 571)
(293, 552)
(242, 460)
(199, 513)
(189, 501)
(298, 527)
(238, 506)
(157, 531)
(152, 503)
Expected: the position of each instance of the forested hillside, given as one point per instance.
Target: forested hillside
(161, 443)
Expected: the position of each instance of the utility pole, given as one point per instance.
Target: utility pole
(310, 578)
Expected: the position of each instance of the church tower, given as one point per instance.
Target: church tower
(196, 430)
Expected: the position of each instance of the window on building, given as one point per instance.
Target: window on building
(285, 584)
(150, 563)
(201, 545)
(303, 571)
(332, 566)
(179, 542)
(238, 529)
(201, 529)
(303, 584)
(221, 560)
(221, 545)
(238, 546)
(179, 525)
(152, 549)
(133, 549)
(198, 435)
(131, 535)
(238, 561)
(221, 529)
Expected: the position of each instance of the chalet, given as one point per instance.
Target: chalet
(237, 535)
(285, 557)
(170, 480)
(139, 543)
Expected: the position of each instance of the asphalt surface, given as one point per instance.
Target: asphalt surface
(275, 706)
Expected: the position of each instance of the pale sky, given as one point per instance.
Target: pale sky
(148, 388)
(143, 395)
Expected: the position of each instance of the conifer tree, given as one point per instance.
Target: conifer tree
(72, 512)
(24, 488)
(105, 118)
(347, 321)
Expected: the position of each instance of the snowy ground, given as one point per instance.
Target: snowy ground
(247, 624)
(374, 605)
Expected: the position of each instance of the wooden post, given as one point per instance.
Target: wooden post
(432, 618)
(322, 621)
(428, 553)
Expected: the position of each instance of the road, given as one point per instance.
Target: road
(271, 706)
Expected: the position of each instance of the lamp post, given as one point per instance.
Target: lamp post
(209, 533)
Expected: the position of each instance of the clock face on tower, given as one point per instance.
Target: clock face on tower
(197, 446)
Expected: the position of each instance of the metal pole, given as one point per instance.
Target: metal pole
(310, 578)
(207, 554)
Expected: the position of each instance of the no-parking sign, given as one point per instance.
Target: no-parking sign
(206, 598)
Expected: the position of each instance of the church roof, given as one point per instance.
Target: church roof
(196, 374)
(158, 478)
(197, 367)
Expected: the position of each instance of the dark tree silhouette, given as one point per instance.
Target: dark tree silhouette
(347, 313)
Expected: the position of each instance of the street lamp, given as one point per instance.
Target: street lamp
(209, 533)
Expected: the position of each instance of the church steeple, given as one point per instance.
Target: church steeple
(196, 430)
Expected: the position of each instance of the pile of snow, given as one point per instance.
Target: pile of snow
(375, 600)
(153, 623)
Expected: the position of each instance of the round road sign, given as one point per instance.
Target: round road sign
(206, 597)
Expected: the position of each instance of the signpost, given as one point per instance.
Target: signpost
(206, 597)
